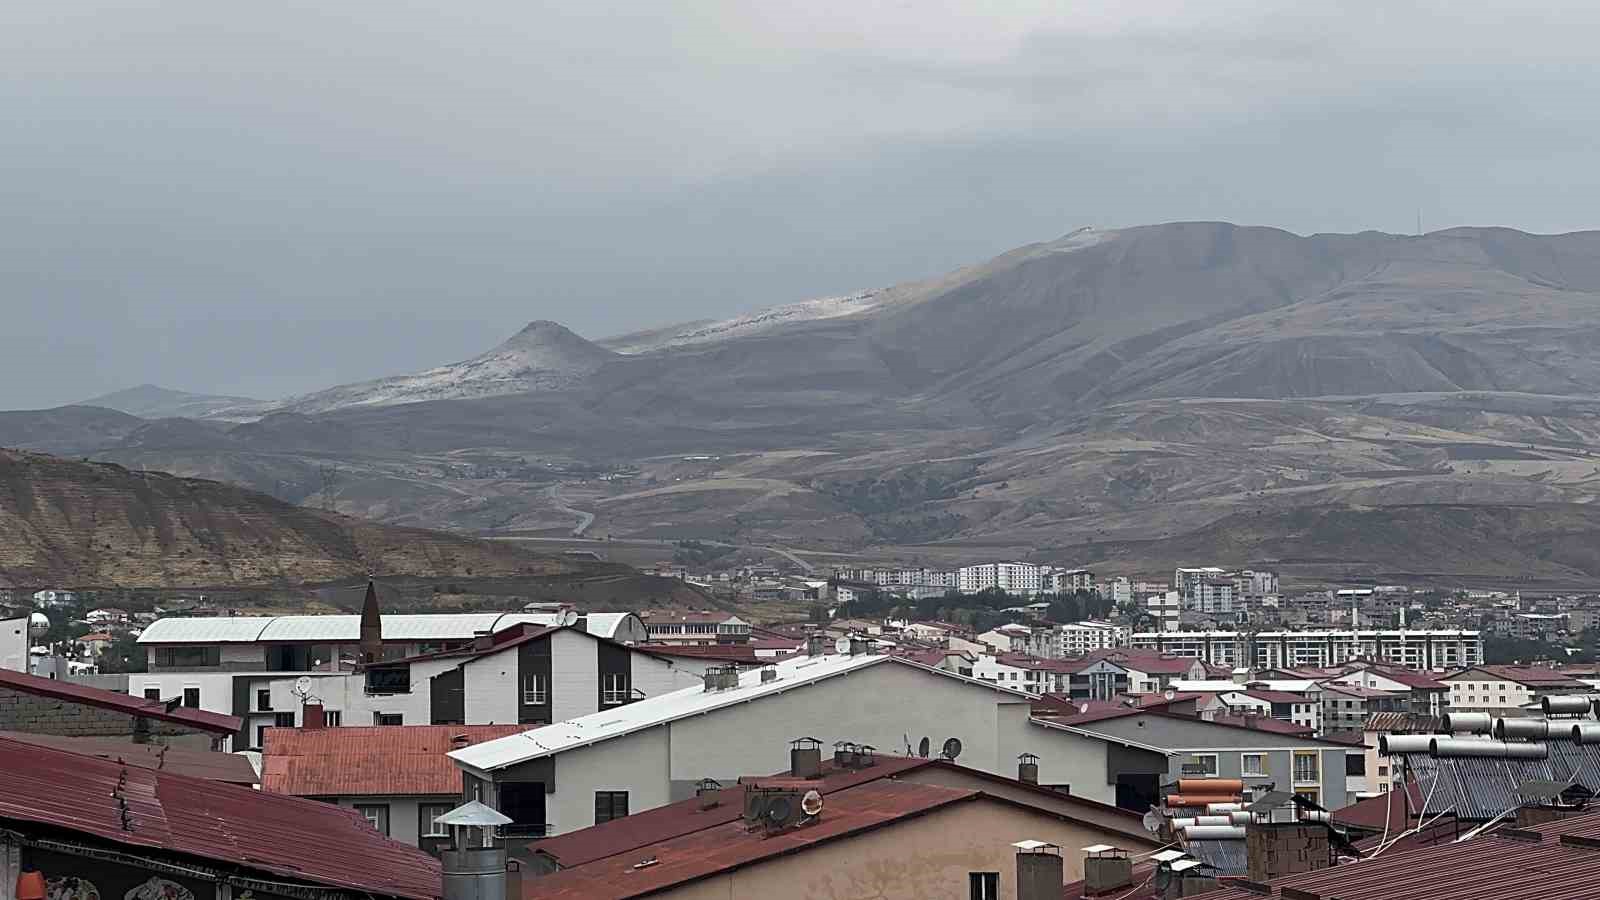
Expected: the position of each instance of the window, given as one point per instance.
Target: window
(1206, 763)
(1305, 767)
(261, 737)
(1383, 769)
(535, 690)
(377, 815)
(1355, 764)
(616, 689)
(426, 826)
(983, 885)
(332, 718)
(388, 718)
(188, 657)
(1308, 793)
(264, 700)
(283, 720)
(1383, 787)
(1253, 765)
(191, 697)
(610, 805)
(152, 693)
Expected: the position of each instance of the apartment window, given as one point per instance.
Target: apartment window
(191, 697)
(1310, 794)
(388, 719)
(616, 689)
(152, 693)
(1355, 764)
(1253, 765)
(1207, 763)
(610, 805)
(426, 826)
(1383, 769)
(983, 885)
(1305, 767)
(283, 720)
(1383, 787)
(535, 690)
(377, 814)
(332, 718)
(264, 700)
(188, 657)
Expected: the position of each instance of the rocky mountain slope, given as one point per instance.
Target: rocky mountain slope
(147, 401)
(97, 524)
(1108, 386)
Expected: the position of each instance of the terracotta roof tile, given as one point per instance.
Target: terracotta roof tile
(299, 840)
(369, 760)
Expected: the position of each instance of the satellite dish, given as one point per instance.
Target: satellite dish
(1170, 694)
(1152, 821)
(952, 749)
(1083, 708)
(38, 625)
(922, 748)
(842, 645)
(302, 686)
(811, 803)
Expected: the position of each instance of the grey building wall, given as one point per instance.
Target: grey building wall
(35, 714)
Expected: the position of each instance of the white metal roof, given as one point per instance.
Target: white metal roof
(793, 672)
(605, 624)
(337, 629)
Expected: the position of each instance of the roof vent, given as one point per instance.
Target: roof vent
(1105, 868)
(844, 753)
(805, 757)
(708, 791)
(769, 674)
(1028, 768)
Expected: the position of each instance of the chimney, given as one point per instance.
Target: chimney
(1105, 869)
(1276, 849)
(859, 645)
(371, 625)
(1038, 871)
(805, 758)
(816, 644)
(842, 751)
(312, 717)
(708, 793)
(1028, 768)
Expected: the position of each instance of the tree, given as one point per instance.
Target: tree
(123, 655)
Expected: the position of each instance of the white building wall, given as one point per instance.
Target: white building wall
(492, 688)
(637, 764)
(574, 676)
(653, 676)
(216, 688)
(14, 644)
(402, 814)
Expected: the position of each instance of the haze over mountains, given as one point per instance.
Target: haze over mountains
(1127, 386)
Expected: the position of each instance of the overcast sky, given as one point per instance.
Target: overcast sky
(266, 198)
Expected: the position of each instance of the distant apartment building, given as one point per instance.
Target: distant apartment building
(896, 578)
(1255, 583)
(1507, 690)
(697, 628)
(1013, 578)
(1075, 639)
(1214, 596)
(1066, 581)
(1166, 609)
(1186, 581)
(1537, 626)
(1436, 649)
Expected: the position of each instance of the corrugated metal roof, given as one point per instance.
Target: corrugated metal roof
(69, 692)
(338, 629)
(1490, 867)
(368, 761)
(299, 840)
(727, 847)
(793, 672)
(233, 768)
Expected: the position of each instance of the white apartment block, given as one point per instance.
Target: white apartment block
(1186, 581)
(924, 577)
(1214, 596)
(1075, 639)
(1445, 649)
(1013, 578)
(1166, 609)
(1255, 583)
(1066, 581)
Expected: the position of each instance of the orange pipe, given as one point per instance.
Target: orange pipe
(1210, 786)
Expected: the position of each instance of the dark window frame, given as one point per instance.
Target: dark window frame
(983, 885)
(264, 699)
(607, 805)
(196, 696)
(382, 809)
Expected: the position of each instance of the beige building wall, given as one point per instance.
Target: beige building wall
(923, 858)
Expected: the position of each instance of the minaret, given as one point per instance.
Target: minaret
(371, 626)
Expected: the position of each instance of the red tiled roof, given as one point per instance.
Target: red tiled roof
(230, 767)
(300, 840)
(126, 704)
(1274, 696)
(1490, 867)
(729, 846)
(1411, 678)
(737, 653)
(1370, 813)
(684, 817)
(1034, 663)
(1532, 676)
(370, 760)
(1357, 690)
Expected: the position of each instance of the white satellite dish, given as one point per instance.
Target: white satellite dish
(1170, 694)
(302, 687)
(1152, 822)
(1083, 708)
(38, 625)
(842, 645)
(811, 803)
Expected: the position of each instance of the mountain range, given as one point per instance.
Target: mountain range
(1109, 394)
